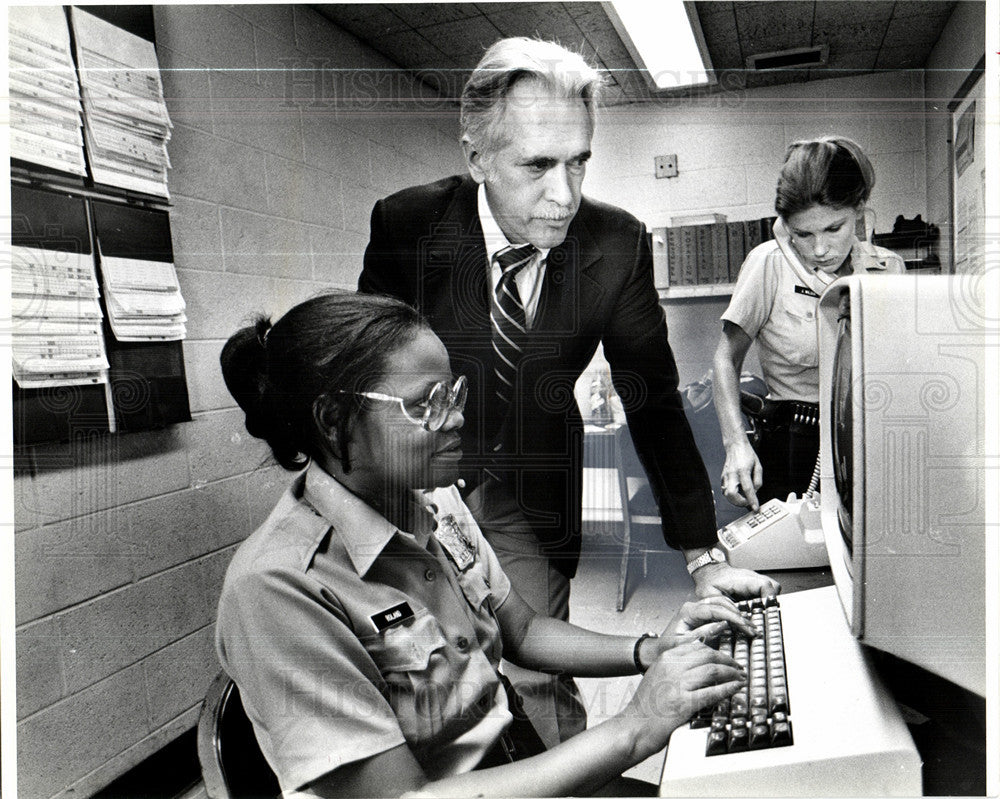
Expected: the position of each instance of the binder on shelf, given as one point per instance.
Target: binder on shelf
(689, 256)
(704, 255)
(720, 253)
(736, 244)
(674, 256)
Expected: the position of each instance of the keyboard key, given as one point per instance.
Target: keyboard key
(760, 736)
(716, 743)
(781, 733)
(739, 738)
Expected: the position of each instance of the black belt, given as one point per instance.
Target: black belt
(771, 413)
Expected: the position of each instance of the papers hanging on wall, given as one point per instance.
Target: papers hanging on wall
(56, 319)
(126, 125)
(45, 109)
(143, 299)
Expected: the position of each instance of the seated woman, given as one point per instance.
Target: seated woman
(822, 190)
(365, 619)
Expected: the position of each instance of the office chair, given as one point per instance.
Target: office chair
(232, 764)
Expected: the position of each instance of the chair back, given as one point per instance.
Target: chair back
(232, 764)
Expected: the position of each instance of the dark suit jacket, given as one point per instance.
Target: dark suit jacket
(427, 249)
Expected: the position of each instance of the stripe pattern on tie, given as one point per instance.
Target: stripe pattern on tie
(508, 321)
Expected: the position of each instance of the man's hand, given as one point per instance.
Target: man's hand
(704, 620)
(722, 579)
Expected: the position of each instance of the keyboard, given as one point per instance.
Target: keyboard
(846, 736)
(758, 716)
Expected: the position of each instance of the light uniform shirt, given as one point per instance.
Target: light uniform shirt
(529, 279)
(775, 302)
(348, 637)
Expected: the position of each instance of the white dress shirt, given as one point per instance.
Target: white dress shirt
(529, 279)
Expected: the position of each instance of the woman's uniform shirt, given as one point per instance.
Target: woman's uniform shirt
(348, 637)
(775, 302)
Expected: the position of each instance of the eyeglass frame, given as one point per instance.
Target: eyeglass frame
(459, 386)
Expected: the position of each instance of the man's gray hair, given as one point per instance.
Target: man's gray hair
(509, 61)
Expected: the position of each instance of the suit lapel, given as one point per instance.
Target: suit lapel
(456, 277)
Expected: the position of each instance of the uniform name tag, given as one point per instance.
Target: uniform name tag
(385, 619)
(806, 290)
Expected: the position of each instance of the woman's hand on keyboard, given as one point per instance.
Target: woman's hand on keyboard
(679, 683)
(704, 620)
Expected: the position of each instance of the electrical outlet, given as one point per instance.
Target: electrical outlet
(665, 166)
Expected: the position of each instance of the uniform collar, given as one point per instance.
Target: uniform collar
(815, 276)
(362, 529)
(494, 237)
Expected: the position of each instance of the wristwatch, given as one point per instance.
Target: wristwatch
(713, 555)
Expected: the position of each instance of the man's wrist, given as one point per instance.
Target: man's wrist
(712, 555)
(641, 646)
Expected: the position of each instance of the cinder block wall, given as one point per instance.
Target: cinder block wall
(730, 147)
(121, 541)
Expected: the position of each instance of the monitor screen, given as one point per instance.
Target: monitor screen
(843, 424)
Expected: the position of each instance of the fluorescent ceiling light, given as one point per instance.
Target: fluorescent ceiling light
(665, 38)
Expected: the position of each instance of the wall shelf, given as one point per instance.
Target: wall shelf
(684, 292)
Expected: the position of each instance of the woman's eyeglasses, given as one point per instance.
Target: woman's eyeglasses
(440, 401)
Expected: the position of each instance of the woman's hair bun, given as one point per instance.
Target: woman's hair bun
(244, 365)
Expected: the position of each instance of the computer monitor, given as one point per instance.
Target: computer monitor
(902, 451)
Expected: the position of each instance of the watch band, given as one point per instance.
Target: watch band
(635, 650)
(713, 555)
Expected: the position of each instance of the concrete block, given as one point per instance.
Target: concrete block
(70, 739)
(289, 293)
(338, 256)
(39, 667)
(265, 245)
(219, 446)
(185, 89)
(211, 571)
(214, 35)
(331, 147)
(197, 235)
(360, 200)
(119, 629)
(255, 115)
(177, 676)
(855, 124)
(762, 183)
(706, 189)
(25, 500)
(62, 564)
(392, 170)
(217, 170)
(300, 192)
(188, 524)
(276, 19)
(206, 388)
(89, 475)
(316, 36)
(218, 303)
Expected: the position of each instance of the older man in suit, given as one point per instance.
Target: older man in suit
(522, 277)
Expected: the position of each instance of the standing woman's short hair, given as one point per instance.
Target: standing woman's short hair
(831, 171)
(509, 61)
(295, 378)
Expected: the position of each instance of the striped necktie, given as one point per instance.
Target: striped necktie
(508, 322)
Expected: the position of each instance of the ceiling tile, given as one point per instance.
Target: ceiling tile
(940, 9)
(764, 29)
(907, 57)
(462, 37)
(851, 60)
(407, 48)
(833, 12)
(422, 14)
(851, 35)
(911, 30)
(364, 21)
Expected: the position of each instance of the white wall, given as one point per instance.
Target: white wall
(731, 147)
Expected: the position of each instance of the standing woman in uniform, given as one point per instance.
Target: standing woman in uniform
(822, 190)
(365, 619)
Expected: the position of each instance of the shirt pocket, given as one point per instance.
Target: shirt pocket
(421, 670)
(795, 325)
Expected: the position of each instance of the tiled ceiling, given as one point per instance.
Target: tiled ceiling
(441, 42)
